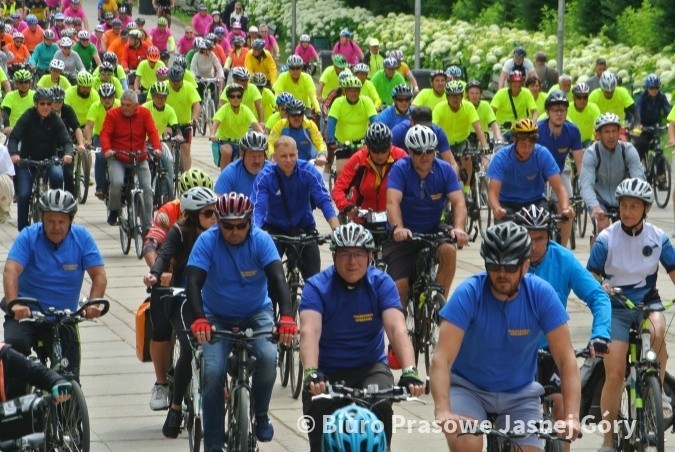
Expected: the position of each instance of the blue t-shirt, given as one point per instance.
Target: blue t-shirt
(569, 140)
(236, 284)
(399, 131)
(235, 177)
(303, 189)
(53, 274)
(501, 339)
(522, 182)
(391, 117)
(423, 200)
(352, 332)
(303, 141)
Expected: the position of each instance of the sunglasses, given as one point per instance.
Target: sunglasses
(508, 268)
(208, 213)
(425, 152)
(45, 104)
(231, 226)
(234, 97)
(581, 97)
(22, 82)
(403, 99)
(379, 151)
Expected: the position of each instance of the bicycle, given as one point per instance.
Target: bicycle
(25, 418)
(579, 206)
(290, 367)
(376, 223)
(162, 187)
(40, 184)
(477, 207)
(641, 403)
(657, 167)
(337, 157)
(208, 105)
(81, 173)
(67, 425)
(174, 144)
(500, 441)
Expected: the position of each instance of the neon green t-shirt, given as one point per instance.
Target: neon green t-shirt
(523, 102)
(352, 120)
(303, 89)
(233, 125)
(368, 90)
(272, 120)
(17, 104)
(119, 72)
(251, 94)
(428, 98)
(330, 81)
(455, 124)
(584, 120)
(116, 83)
(486, 115)
(46, 82)
(671, 115)
(541, 101)
(162, 118)
(3, 75)
(190, 78)
(79, 104)
(384, 85)
(147, 73)
(269, 101)
(620, 100)
(97, 113)
(182, 101)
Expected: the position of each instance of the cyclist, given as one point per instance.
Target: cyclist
(456, 117)
(488, 120)
(606, 163)
(20, 52)
(229, 125)
(270, 41)
(236, 56)
(418, 189)
(17, 101)
(117, 70)
(361, 71)
(561, 138)
(332, 306)
(502, 382)
(430, 97)
(164, 117)
(533, 84)
(518, 174)
(565, 85)
(164, 8)
(346, 47)
(400, 110)
(81, 96)
(44, 53)
(584, 113)
(258, 59)
(72, 63)
(298, 83)
(304, 131)
(86, 50)
(267, 96)
(59, 25)
(370, 437)
(513, 103)
(69, 118)
(205, 64)
(125, 128)
(280, 113)
(54, 77)
(349, 115)
(386, 79)
(35, 268)
(212, 271)
(199, 214)
(519, 64)
(135, 51)
(329, 77)
(547, 75)
(162, 37)
(611, 98)
(184, 99)
(651, 108)
(627, 255)
(104, 74)
(239, 176)
(600, 68)
(374, 57)
(76, 10)
(252, 98)
(146, 72)
(403, 68)
(307, 52)
(362, 183)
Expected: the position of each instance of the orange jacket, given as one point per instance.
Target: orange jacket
(21, 54)
(131, 57)
(238, 60)
(33, 38)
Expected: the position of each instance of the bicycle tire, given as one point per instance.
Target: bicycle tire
(240, 427)
(210, 107)
(661, 191)
(177, 168)
(621, 438)
(428, 333)
(297, 370)
(83, 172)
(193, 425)
(201, 121)
(294, 365)
(138, 220)
(573, 238)
(284, 370)
(412, 326)
(69, 423)
(652, 436)
(125, 215)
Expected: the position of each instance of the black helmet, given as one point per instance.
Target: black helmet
(110, 57)
(57, 200)
(505, 243)
(378, 137)
(556, 97)
(176, 73)
(42, 94)
(534, 218)
(295, 107)
(58, 94)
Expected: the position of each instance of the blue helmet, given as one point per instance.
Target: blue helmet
(652, 81)
(355, 429)
(284, 98)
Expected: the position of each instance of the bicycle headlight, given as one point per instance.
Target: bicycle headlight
(650, 355)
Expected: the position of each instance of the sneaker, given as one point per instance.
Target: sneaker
(112, 218)
(159, 398)
(264, 430)
(174, 419)
(667, 407)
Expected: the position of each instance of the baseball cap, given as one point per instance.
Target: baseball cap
(374, 42)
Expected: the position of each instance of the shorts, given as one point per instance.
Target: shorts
(186, 131)
(510, 408)
(548, 373)
(401, 258)
(622, 320)
(565, 175)
(512, 208)
(215, 150)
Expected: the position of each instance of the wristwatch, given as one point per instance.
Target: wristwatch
(409, 369)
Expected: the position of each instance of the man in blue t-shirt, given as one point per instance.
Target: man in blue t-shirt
(240, 175)
(486, 358)
(418, 190)
(47, 262)
(231, 270)
(401, 108)
(561, 138)
(345, 311)
(518, 174)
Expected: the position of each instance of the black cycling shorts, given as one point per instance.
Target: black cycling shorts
(186, 131)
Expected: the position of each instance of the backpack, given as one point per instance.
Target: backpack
(626, 173)
(592, 374)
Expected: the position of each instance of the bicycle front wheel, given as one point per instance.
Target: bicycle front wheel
(240, 423)
(82, 173)
(662, 180)
(137, 222)
(412, 324)
(124, 225)
(68, 427)
(651, 436)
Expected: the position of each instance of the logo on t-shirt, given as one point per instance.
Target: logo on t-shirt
(248, 273)
(70, 267)
(520, 332)
(361, 318)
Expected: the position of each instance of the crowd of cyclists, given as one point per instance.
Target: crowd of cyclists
(364, 137)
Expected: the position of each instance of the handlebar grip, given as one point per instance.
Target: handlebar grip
(96, 302)
(24, 301)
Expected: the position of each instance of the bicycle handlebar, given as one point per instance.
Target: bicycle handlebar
(647, 308)
(302, 239)
(45, 163)
(40, 315)
(368, 396)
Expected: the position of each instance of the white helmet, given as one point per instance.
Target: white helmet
(83, 34)
(66, 42)
(635, 188)
(196, 198)
(607, 81)
(304, 38)
(57, 64)
(420, 138)
(352, 235)
(606, 119)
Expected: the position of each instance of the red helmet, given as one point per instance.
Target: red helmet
(153, 54)
(515, 76)
(234, 206)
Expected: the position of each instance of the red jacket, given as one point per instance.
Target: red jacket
(132, 57)
(360, 185)
(122, 133)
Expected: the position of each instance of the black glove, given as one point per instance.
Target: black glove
(410, 378)
(314, 376)
(600, 345)
(61, 388)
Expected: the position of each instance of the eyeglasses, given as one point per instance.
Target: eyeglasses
(347, 255)
(508, 268)
(294, 68)
(234, 97)
(45, 104)
(424, 151)
(208, 213)
(558, 111)
(232, 226)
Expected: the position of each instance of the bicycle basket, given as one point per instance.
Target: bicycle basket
(22, 416)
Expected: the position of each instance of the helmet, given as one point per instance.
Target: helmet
(141, 21)
(284, 98)
(437, 72)
(453, 71)
(83, 34)
(396, 54)
(556, 97)
(194, 178)
(17, 35)
(454, 87)
(176, 73)
(352, 235)
(523, 126)
(159, 89)
(162, 21)
(108, 15)
(356, 428)
(236, 24)
(294, 61)
(515, 76)
(106, 90)
(350, 82)
(259, 79)
(240, 73)
(31, 19)
(344, 74)
(607, 81)
(57, 64)
(474, 84)
(42, 94)
(22, 75)
(232, 88)
(391, 63)
(234, 206)
(258, 44)
(48, 34)
(57, 200)
(199, 43)
(68, 33)
(345, 32)
(99, 28)
(253, 141)
(137, 34)
(211, 37)
(162, 72)
(305, 38)
(519, 52)
(401, 91)
(607, 119)
(378, 137)
(295, 107)
(339, 61)
(238, 40)
(153, 54)
(110, 57)
(58, 94)
(196, 198)
(215, 12)
(106, 66)
(420, 138)
(360, 68)
(66, 42)
(505, 244)
(533, 217)
(132, 26)
(652, 81)
(581, 88)
(84, 78)
(59, 16)
(635, 188)
(116, 23)
(180, 61)
(219, 30)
